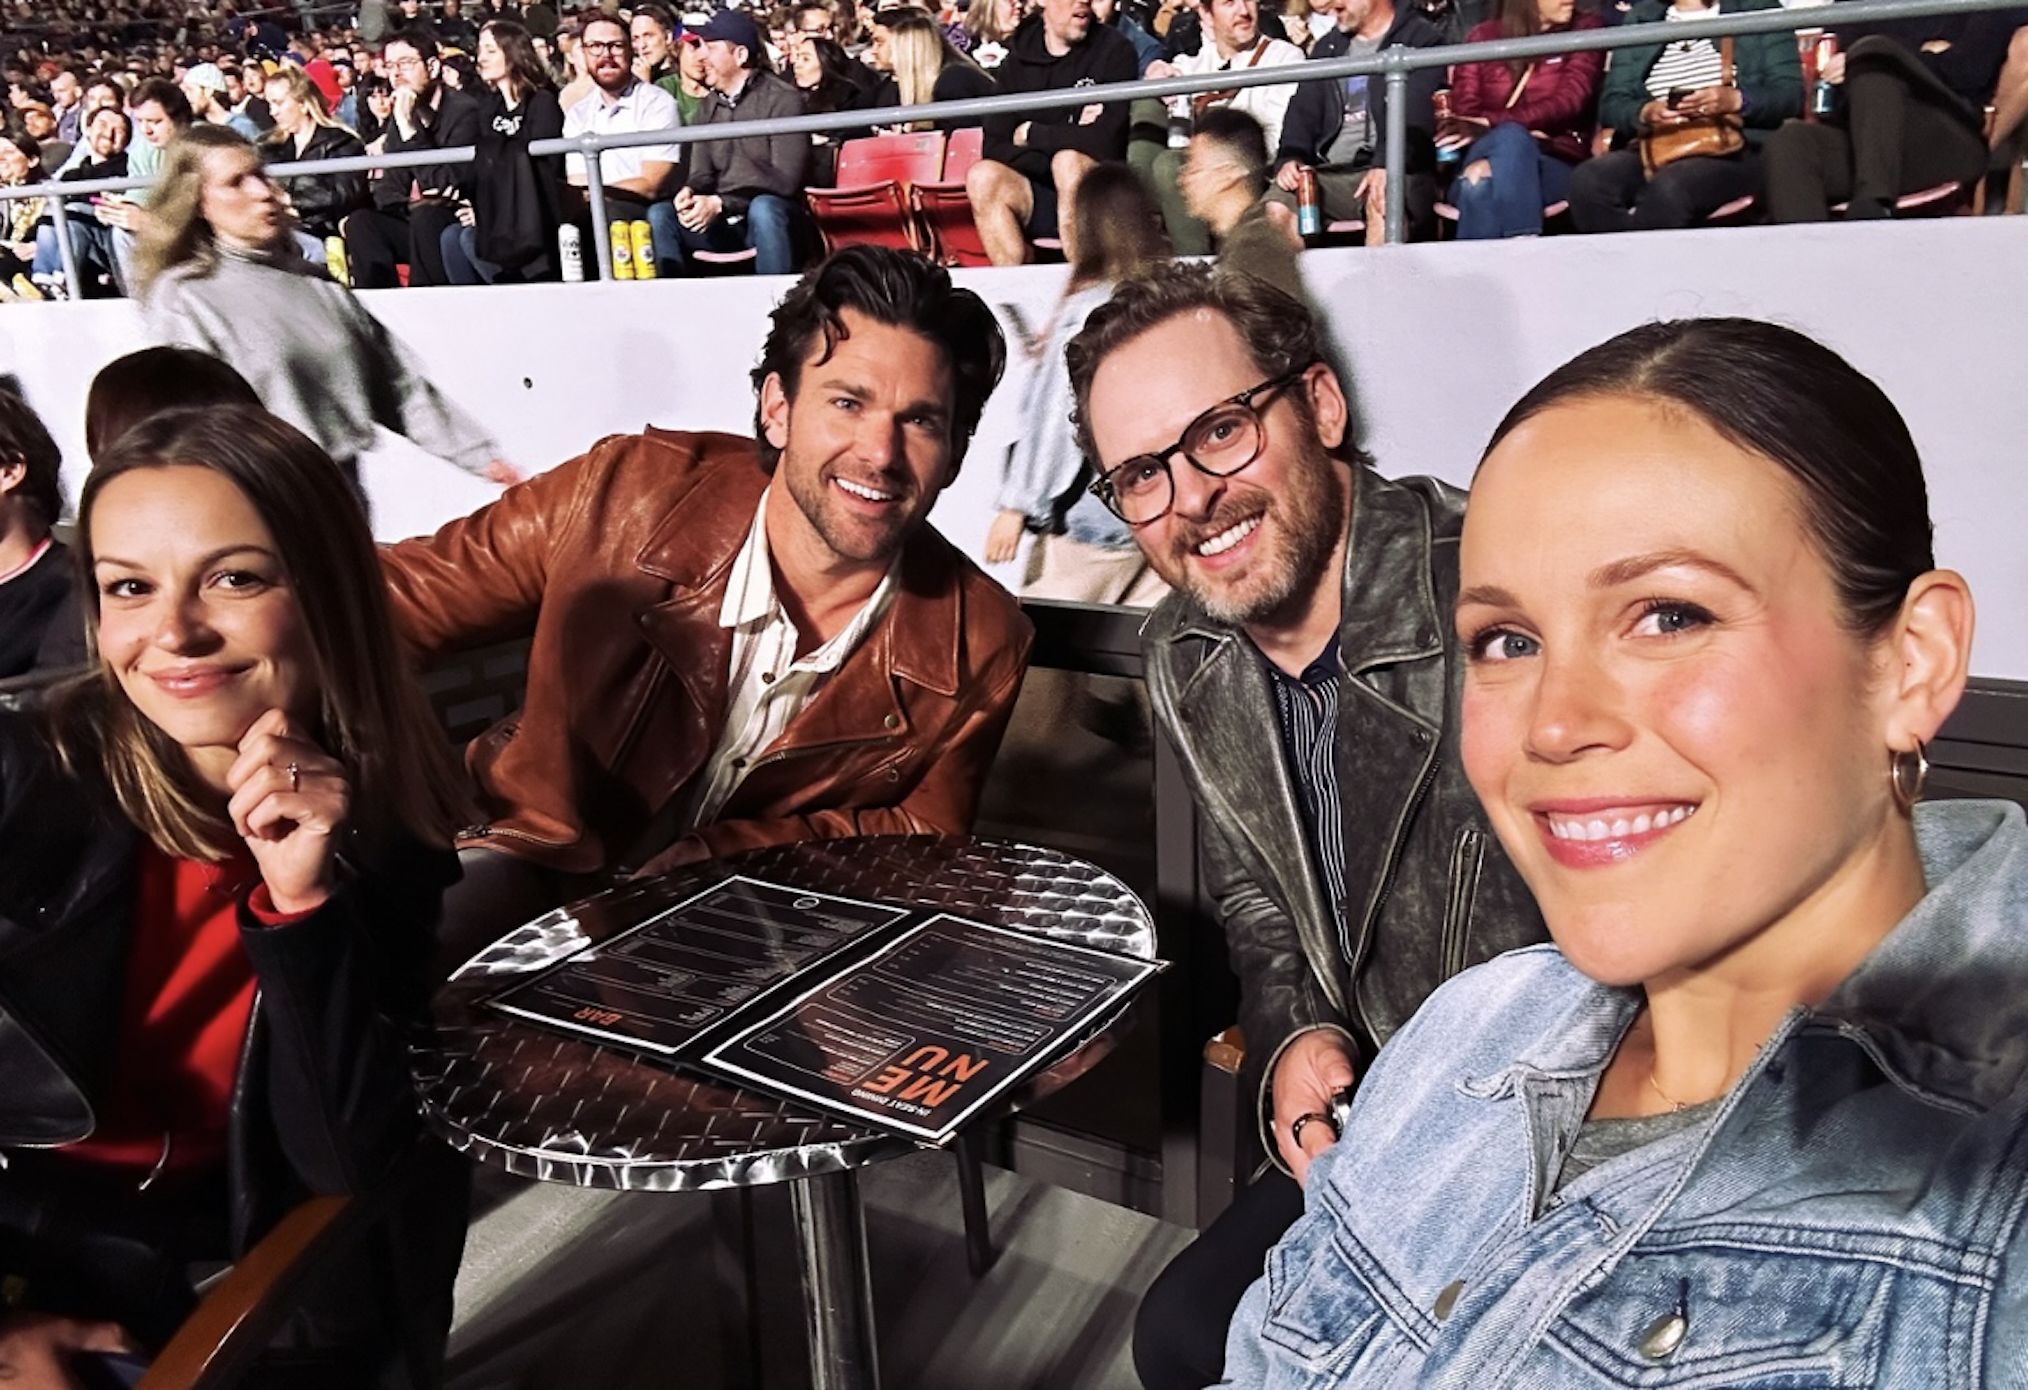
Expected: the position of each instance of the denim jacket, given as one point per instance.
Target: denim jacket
(1850, 1214)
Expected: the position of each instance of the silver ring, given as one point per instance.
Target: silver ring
(295, 778)
(1314, 1117)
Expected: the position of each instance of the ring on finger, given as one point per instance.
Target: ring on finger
(295, 778)
(1314, 1117)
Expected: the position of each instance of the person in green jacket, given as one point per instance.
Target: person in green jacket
(1683, 78)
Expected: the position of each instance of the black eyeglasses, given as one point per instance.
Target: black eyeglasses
(1219, 443)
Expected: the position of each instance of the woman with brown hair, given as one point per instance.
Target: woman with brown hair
(226, 847)
(218, 270)
(1082, 552)
(508, 233)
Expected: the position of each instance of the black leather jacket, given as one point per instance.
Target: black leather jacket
(322, 1102)
(321, 200)
(1428, 889)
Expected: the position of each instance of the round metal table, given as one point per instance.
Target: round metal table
(544, 1105)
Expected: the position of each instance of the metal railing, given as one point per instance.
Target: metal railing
(1392, 65)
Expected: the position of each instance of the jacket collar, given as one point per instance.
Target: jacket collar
(1938, 1004)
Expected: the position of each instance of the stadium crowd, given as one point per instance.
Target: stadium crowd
(1854, 122)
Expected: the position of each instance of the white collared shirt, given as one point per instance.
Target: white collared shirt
(643, 106)
(766, 686)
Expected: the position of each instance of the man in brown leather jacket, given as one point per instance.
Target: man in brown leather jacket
(738, 643)
(1351, 863)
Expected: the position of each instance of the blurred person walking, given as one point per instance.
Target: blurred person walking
(218, 270)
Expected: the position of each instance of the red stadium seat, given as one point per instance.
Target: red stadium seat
(871, 202)
(943, 209)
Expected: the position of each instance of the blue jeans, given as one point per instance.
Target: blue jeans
(1509, 201)
(462, 265)
(769, 227)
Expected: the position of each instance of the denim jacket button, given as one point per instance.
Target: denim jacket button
(1447, 1299)
(1664, 1335)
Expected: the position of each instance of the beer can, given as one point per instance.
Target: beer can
(570, 253)
(335, 260)
(1440, 107)
(642, 236)
(1309, 204)
(623, 252)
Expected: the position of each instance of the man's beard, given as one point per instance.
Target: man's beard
(1305, 522)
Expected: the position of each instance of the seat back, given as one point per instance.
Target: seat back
(916, 157)
(966, 147)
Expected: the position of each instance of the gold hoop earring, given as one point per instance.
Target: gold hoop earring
(1907, 772)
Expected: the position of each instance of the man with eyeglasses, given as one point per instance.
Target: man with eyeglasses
(412, 207)
(1351, 864)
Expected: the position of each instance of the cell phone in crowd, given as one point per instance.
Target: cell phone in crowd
(1679, 95)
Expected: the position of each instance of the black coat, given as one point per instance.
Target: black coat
(1105, 55)
(1318, 109)
(517, 197)
(320, 200)
(453, 121)
(322, 1102)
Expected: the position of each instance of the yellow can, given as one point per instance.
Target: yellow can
(623, 252)
(643, 237)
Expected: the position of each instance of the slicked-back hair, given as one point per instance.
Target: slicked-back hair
(1239, 137)
(899, 289)
(23, 436)
(421, 38)
(1786, 397)
(1280, 334)
(372, 715)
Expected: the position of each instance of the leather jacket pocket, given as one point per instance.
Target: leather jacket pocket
(1746, 1309)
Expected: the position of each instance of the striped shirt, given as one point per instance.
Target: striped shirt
(1694, 63)
(1307, 706)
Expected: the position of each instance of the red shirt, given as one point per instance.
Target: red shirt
(189, 994)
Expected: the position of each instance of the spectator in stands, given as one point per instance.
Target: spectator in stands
(688, 84)
(666, 575)
(1778, 1013)
(204, 89)
(620, 103)
(575, 84)
(1912, 116)
(1308, 639)
(1225, 182)
(989, 26)
(105, 157)
(239, 826)
(66, 94)
(38, 123)
(346, 112)
(218, 270)
(1033, 163)
(1519, 127)
(653, 30)
(1336, 127)
(746, 192)
(454, 30)
(100, 94)
(40, 626)
(405, 226)
(924, 65)
(817, 20)
(376, 115)
(20, 163)
(517, 198)
(159, 111)
(1233, 42)
(304, 132)
(818, 66)
(1661, 87)
(1081, 553)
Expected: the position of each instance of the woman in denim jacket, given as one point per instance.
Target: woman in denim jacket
(1758, 1117)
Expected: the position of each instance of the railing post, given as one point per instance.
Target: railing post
(595, 195)
(1396, 137)
(61, 220)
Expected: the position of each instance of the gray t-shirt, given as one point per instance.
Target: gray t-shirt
(1600, 1141)
(1355, 133)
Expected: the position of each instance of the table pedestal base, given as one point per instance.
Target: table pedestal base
(837, 1283)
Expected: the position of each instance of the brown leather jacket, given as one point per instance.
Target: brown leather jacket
(616, 564)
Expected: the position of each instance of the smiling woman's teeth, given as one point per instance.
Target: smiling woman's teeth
(1227, 539)
(1618, 828)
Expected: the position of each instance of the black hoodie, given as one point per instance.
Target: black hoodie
(1104, 55)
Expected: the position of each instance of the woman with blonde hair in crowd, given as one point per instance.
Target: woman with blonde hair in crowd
(927, 67)
(226, 851)
(1082, 552)
(20, 162)
(991, 25)
(218, 270)
(304, 131)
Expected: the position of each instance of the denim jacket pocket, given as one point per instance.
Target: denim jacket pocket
(1741, 1321)
(1325, 1319)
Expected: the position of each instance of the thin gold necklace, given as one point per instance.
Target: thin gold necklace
(1667, 1099)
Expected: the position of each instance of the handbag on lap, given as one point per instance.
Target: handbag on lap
(1705, 135)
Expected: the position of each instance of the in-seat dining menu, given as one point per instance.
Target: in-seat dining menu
(897, 1017)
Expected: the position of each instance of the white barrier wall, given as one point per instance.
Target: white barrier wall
(1441, 340)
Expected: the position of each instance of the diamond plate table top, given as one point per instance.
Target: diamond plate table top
(546, 1105)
